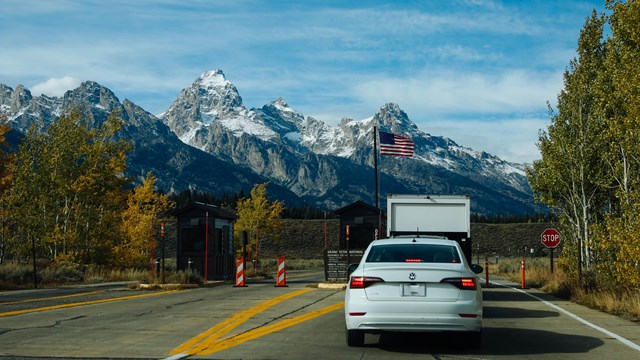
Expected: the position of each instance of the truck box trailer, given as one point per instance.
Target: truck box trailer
(441, 215)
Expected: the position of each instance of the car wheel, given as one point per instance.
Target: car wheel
(474, 340)
(355, 337)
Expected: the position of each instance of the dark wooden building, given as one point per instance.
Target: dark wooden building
(192, 223)
(366, 223)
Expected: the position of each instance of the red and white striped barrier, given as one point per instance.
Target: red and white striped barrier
(281, 276)
(240, 272)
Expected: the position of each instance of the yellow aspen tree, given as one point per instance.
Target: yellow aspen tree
(143, 206)
(260, 217)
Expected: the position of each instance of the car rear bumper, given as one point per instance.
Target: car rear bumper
(413, 316)
(415, 323)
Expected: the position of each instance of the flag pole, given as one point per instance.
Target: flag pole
(375, 163)
(375, 167)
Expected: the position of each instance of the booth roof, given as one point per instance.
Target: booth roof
(212, 209)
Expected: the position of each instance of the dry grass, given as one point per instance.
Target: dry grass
(16, 275)
(100, 274)
(293, 264)
(624, 303)
(620, 302)
(268, 267)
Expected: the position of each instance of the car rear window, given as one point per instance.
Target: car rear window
(414, 253)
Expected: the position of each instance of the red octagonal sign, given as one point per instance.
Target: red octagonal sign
(550, 238)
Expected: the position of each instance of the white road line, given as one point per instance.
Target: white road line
(625, 341)
(176, 357)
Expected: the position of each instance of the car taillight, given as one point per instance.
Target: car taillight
(468, 315)
(362, 282)
(462, 283)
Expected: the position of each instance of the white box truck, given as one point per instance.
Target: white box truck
(441, 215)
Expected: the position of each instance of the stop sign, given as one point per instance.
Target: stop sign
(550, 238)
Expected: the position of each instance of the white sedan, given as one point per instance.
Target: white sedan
(416, 284)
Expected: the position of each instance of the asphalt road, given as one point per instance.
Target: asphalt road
(262, 321)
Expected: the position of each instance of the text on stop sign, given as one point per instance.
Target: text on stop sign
(550, 238)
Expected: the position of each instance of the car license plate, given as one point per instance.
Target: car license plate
(414, 290)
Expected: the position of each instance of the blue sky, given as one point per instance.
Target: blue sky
(479, 72)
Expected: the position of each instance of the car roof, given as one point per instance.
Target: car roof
(433, 240)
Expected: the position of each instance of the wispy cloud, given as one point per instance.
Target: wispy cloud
(443, 92)
(452, 62)
(55, 86)
(514, 139)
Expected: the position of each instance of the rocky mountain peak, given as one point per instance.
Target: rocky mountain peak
(209, 98)
(213, 78)
(20, 98)
(215, 94)
(307, 160)
(91, 93)
(281, 105)
(5, 96)
(279, 115)
(392, 118)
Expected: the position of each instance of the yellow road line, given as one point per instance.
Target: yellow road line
(50, 298)
(262, 331)
(196, 343)
(63, 306)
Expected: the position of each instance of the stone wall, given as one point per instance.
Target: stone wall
(305, 239)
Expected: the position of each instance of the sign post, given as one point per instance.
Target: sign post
(550, 238)
(347, 240)
(522, 272)
(206, 247)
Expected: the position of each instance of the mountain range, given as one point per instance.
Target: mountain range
(208, 141)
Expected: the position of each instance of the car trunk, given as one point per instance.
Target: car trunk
(412, 281)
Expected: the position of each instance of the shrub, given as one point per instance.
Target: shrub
(595, 291)
(62, 272)
(184, 277)
(14, 274)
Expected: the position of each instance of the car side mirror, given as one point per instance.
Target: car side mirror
(351, 268)
(476, 268)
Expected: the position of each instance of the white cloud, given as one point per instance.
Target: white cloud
(449, 92)
(55, 86)
(484, 59)
(512, 139)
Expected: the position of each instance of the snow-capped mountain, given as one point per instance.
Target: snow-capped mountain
(280, 143)
(156, 148)
(209, 141)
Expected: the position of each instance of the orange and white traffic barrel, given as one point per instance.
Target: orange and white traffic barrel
(240, 272)
(281, 276)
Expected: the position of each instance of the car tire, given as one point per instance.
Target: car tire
(355, 338)
(474, 340)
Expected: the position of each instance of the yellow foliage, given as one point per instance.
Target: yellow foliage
(138, 220)
(259, 217)
(618, 248)
(69, 257)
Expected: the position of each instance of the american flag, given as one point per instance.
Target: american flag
(392, 144)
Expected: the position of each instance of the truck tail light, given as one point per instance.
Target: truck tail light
(363, 282)
(461, 283)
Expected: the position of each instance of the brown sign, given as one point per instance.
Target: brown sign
(336, 262)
